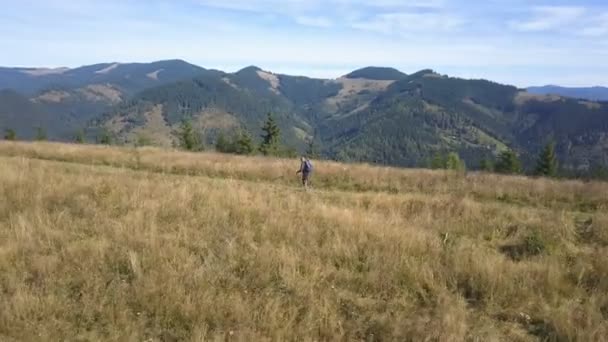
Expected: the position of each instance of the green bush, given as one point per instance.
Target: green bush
(508, 163)
(189, 140)
(10, 134)
(534, 244)
(451, 161)
(239, 144)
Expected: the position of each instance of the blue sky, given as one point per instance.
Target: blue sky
(521, 42)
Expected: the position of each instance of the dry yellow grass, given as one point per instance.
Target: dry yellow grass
(124, 244)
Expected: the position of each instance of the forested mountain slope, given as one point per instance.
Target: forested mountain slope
(374, 114)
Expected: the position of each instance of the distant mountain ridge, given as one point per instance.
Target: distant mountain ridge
(588, 93)
(373, 114)
(72, 97)
(130, 77)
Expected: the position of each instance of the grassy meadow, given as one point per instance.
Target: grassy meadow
(124, 244)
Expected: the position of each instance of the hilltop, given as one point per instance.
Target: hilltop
(64, 100)
(101, 243)
(130, 77)
(377, 73)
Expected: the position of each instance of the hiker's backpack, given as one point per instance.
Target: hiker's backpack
(307, 166)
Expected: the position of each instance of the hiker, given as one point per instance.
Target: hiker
(305, 170)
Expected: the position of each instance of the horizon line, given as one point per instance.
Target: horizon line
(238, 69)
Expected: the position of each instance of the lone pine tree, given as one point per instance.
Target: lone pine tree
(271, 138)
(547, 161)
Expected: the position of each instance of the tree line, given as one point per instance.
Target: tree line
(11, 135)
(240, 142)
(507, 162)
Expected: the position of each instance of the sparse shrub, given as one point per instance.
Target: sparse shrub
(311, 149)
(486, 165)
(437, 162)
(10, 134)
(105, 138)
(143, 140)
(223, 144)
(287, 152)
(534, 244)
(79, 138)
(508, 163)
(40, 134)
(243, 143)
(189, 140)
(531, 245)
(239, 144)
(451, 161)
(599, 172)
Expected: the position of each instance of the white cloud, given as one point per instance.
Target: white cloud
(409, 22)
(566, 20)
(549, 17)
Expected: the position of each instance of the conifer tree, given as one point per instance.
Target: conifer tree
(243, 143)
(223, 145)
(508, 163)
(547, 161)
(271, 139)
(453, 162)
(188, 139)
(438, 162)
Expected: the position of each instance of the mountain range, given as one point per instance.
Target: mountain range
(587, 93)
(374, 114)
